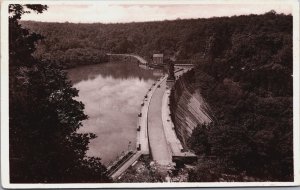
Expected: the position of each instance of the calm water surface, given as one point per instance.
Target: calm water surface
(112, 94)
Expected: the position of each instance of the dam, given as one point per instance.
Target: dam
(138, 123)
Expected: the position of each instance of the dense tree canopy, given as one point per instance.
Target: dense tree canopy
(246, 77)
(43, 116)
(186, 39)
(243, 69)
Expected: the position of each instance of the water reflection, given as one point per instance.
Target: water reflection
(116, 70)
(112, 94)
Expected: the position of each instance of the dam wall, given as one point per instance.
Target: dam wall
(188, 108)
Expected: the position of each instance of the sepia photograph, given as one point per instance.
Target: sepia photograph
(149, 94)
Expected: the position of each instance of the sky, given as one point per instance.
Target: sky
(122, 13)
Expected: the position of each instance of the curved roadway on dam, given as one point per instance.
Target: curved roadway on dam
(164, 144)
(158, 143)
(155, 126)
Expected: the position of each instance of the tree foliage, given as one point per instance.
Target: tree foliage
(248, 85)
(243, 68)
(43, 116)
(184, 39)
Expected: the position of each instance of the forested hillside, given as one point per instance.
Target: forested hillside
(246, 78)
(243, 70)
(74, 44)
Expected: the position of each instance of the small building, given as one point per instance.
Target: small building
(158, 59)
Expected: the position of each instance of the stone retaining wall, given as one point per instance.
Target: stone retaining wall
(188, 108)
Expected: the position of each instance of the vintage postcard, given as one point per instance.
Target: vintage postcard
(131, 94)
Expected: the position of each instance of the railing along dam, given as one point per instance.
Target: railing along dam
(156, 97)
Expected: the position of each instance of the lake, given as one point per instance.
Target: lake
(112, 94)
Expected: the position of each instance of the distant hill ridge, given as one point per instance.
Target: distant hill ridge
(79, 44)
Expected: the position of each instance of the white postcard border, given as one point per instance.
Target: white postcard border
(5, 102)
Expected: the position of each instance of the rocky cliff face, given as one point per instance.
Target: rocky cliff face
(188, 108)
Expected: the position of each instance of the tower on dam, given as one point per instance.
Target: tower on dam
(171, 75)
